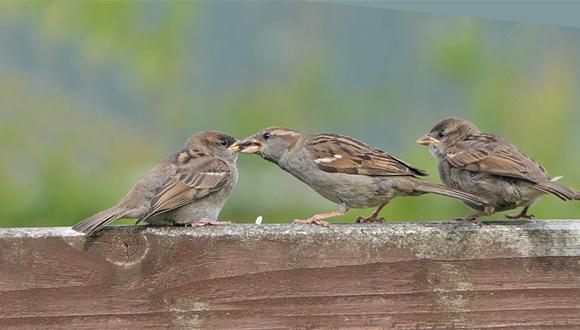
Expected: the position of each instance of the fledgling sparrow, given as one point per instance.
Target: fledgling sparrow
(488, 166)
(343, 170)
(190, 187)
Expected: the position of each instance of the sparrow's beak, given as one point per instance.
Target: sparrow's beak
(427, 140)
(247, 146)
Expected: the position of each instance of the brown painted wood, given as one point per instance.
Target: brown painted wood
(405, 276)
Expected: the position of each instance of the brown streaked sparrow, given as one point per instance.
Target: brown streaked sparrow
(190, 187)
(488, 166)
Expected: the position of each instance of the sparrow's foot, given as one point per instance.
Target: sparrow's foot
(522, 215)
(209, 222)
(470, 218)
(311, 221)
(370, 219)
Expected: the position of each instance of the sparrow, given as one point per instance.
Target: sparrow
(343, 170)
(188, 188)
(490, 167)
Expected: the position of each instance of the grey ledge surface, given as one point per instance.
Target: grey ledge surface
(431, 240)
(289, 229)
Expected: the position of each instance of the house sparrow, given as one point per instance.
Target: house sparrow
(191, 185)
(343, 170)
(488, 166)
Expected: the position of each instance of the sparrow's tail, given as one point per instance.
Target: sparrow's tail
(558, 190)
(439, 189)
(91, 225)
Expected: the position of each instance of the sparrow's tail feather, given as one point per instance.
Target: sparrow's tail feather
(439, 189)
(558, 190)
(93, 224)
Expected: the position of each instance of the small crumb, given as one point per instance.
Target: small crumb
(259, 220)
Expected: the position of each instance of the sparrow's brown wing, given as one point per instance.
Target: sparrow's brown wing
(341, 154)
(493, 155)
(195, 178)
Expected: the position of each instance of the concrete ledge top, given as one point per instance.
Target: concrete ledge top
(430, 240)
(289, 229)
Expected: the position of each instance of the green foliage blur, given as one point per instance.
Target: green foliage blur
(93, 94)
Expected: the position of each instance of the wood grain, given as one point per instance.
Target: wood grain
(403, 276)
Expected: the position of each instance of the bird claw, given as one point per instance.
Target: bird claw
(311, 221)
(520, 216)
(370, 219)
(470, 218)
(209, 222)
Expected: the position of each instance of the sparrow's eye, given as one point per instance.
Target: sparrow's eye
(224, 142)
(266, 135)
(442, 134)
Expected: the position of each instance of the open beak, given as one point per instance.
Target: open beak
(427, 140)
(246, 146)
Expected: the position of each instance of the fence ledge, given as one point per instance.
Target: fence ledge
(396, 275)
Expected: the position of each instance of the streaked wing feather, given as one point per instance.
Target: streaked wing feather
(341, 154)
(488, 153)
(193, 180)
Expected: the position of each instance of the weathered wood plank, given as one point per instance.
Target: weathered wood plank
(408, 276)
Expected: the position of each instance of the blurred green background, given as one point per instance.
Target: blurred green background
(94, 94)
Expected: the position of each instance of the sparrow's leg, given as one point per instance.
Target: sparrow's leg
(522, 215)
(373, 216)
(317, 219)
(209, 222)
(472, 218)
(475, 217)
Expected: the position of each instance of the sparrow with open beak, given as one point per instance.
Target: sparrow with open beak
(190, 187)
(343, 170)
(488, 166)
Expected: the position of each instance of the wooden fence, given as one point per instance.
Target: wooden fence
(395, 275)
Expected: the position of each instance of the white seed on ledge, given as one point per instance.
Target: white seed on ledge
(259, 220)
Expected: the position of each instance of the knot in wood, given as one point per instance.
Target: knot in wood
(126, 248)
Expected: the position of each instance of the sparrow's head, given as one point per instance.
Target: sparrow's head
(214, 143)
(270, 143)
(447, 132)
